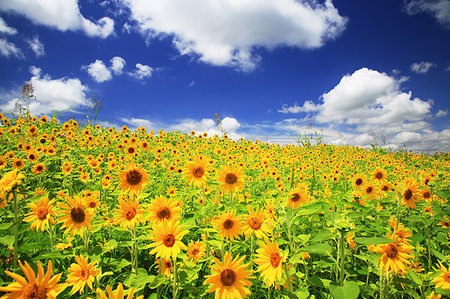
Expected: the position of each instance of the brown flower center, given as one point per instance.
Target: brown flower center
(131, 150)
(230, 178)
(92, 204)
(42, 213)
(408, 194)
(199, 172)
(275, 259)
(228, 224)
(358, 182)
(426, 194)
(447, 277)
(391, 251)
(39, 168)
(164, 213)
(169, 240)
(254, 223)
(77, 215)
(385, 188)
(195, 251)
(134, 177)
(295, 197)
(228, 277)
(369, 190)
(34, 292)
(131, 212)
(379, 175)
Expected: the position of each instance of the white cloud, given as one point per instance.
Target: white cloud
(8, 49)
(117, 65)
(421, 67)
(138, 122)
(226, 32)
(98, 71)
(441, 113)
(62, 15)
(308, 106)
(142, 71)
(4, 28)
(53, 94)
(440, 9)
(36, 46)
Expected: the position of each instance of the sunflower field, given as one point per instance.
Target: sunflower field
(94, 212)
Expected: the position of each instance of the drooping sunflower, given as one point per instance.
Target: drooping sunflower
(443, 281)
(196, 250)
(229, 279)
(166, 266)
(256, 223)
(42, 286)
(298, 196)
(76, 216)
(162, 209)
(411, 193)
(117, 294)
(229, 225)
(196, 172)
(270, 262)
(42, 212)
(81, 273)
(11, 179)
(133, 178)
(395, 256)
(166, 237)
(129, 213)
(231, 178)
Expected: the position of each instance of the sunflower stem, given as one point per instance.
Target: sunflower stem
(287, 277)
(175, 269)
(341, 257)
(16, 228)
(158, 290)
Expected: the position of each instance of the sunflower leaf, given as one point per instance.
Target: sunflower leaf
(350, 290)
(7, 240)
(373, 241)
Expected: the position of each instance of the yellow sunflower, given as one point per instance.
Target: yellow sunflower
(166, 237)
(298, 196)
(229, 279)
(81, 273)
(443, 281)
(196, 172)
(41, 214)
(379, 174)
(411, 193)
(359, 180)
(395, 256)
(166, 266)
(11, 179)
(133, 178)
(76, 216)
(270, 261)
(196, 250)
(229, 225)
(161, 209)
(256, 223)
(117, 295)
(129, 213)
(42, 286)
(231, 179)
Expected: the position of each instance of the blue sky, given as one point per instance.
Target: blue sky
(357, 71)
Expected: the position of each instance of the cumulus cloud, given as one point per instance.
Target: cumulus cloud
(308, 106)
(138, 122)
(421, 67)
(441, 113)
(36, 46)
(98, 71)
(4, 28)
(61, 15)
(117, 65)
(8, 49)
(142, 71)
(226, 32)
(440, 9)
(53, 94)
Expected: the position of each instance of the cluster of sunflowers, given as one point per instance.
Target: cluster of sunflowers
(179, 215)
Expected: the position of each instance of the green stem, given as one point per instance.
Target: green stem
(287, 277)
(16, 228)
(381, 283)
(175, 269)
(158, 290)
(341, 257)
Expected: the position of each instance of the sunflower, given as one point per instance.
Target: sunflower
(379, 174)
(425, 194)
(118, 293)
(231, 179)
(196, 250)
(359, 180)
(66, 167)
(395, 256)
(196, 172)
(81, 273)
(42, 286)
(75, 216)
(133, 178)
(18, 163)
(256, 223)
(166, 237)
(270, 262)
(129, 213)
(229, 279)
(298, 196)
(39, 168)
(411, 193)
(41, 214)
(11, 179)
(162, 209)
(229, 225)
(443, 280)
(166, 266)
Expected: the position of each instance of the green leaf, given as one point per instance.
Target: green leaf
(324, 234)
(318, 248)
(438, 254)
(373, 241)
(110, 245)
(442, 291)
(7, 240)
(316, 281)
(313, 208)
(350, 290)
(6, 225)
(157, 281)
(414, 277)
